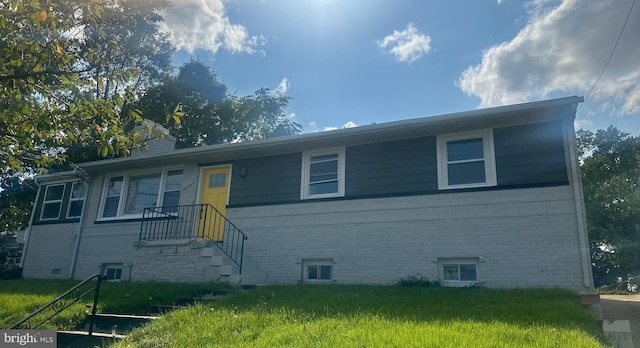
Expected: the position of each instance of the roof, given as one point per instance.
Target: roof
(561, 108)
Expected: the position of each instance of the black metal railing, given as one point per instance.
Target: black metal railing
(64, 301)
(202, 221)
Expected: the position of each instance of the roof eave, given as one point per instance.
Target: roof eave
(298, 141)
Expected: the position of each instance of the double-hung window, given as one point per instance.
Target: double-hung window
(128, 195)
(76, 199)
(323, 174)
(52, 203)
(466, 160)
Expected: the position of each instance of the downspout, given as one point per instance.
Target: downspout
(27, 236)
(578, 197)
(76, 247)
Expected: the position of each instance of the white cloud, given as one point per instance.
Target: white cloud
(313, 126)
(203, 24)
(283, 87)
(582, 124)
(563, 49)
(407, 45)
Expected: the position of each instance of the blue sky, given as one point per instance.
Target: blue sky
(356, 62)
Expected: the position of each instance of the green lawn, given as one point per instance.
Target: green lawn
(18, 298)
(378, 316)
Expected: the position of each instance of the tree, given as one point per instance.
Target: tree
(209, 114)
(611, 182)
(127, 37)
(68, 69)
(16, 200)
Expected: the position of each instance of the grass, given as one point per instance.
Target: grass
(18, 298)
(377, 316)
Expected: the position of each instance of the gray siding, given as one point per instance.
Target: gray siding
(50, 248)
(522, 237)
(394, 167)
(530, 154)
(526, 155)
(268, 179)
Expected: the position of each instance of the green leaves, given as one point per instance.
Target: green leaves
(197, 109)
(611, 183)
(68, 70)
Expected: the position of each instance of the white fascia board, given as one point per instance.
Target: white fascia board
(296, 142)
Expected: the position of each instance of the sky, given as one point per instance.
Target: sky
(349, 63)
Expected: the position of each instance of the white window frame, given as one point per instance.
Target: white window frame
(442, 262)
(489, 158)
(71, 199)
(45, 202)
(126, 177)
(306, 171)
(116, 267)
(317, 263)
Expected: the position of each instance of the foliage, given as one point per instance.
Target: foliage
(198, 110)
(377, 316)
(16, 201)
(21, 297)
(611, 182)
(10, 252)
(68, 69)
(417, 280)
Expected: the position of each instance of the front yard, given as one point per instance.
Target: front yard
(378, 316)
(330, 315)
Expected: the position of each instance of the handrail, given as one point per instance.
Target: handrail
(201, 221)
(65, 301)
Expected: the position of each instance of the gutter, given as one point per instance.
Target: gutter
(76, 247)
(372, 129)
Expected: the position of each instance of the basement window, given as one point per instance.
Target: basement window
(458, 272)
(113, 272)
(317, 270)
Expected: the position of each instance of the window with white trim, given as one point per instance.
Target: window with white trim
(76, 199)
(52, 203)
(128, 195)
(466, 160)
(112, 271)
(458, 272)
(317, 270)
(323, 173)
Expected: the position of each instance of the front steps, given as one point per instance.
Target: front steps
(108, 328)
(194, 260)
(184, 260)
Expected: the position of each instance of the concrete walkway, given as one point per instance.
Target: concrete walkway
(623, 307)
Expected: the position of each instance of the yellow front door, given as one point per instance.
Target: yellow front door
(215, 190)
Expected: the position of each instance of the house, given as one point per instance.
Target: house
(490, 196)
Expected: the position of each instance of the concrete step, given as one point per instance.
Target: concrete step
(81, 339)
(107, 329)
(116, 324)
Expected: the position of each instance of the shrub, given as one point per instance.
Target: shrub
(417, 280)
